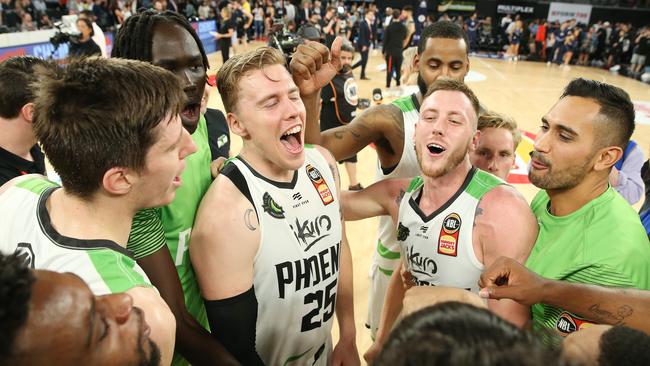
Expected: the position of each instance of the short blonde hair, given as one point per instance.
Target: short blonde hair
(491, 119)
(238, 66)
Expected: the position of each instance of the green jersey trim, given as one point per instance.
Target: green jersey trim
(385, 252)
(405, 104)
(387, 272)
(36, 185)
(309, 146)
(415, 183)
(482, 183)
(146, 228)
(116, 270)
(296, 357)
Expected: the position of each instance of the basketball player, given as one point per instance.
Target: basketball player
(442, 51)
(268, 245)
(160, 237)
(454, 219)
(118, 120)
(45, 312)
(588, 232)
(498, 141)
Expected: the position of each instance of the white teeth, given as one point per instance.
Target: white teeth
(437, 146)
(292, 131)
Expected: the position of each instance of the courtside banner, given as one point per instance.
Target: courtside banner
(515, 7)
(564, 11)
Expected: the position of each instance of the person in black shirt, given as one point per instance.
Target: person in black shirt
(19, 153)
(394, 38)
(340, 99)
(86, 46)
(225, 32)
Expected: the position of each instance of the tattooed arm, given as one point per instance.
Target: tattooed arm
(381, 198)
(508, 279)
(312, 68)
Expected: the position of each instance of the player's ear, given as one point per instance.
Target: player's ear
(236, 125)
(607, 157)
(416, 61)
(27, 112)
(119, 180)
(475, 138)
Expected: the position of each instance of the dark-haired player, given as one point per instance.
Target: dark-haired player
(442, 51)
(43, 313)
(160, 237)
(588, 232)
(19, 153)
(131, 148)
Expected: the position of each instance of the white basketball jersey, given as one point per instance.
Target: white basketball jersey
(26, 229)
(296, 267)
(438, 248)
(387, 255)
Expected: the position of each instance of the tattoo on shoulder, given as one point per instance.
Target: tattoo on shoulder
(340, 134)
(605, 316)
(399, 197)
(248, 220)
(479, 212)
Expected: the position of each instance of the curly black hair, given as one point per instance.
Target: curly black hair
(134, 39)
(16, 281)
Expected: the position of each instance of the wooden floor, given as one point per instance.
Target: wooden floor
(524, 90)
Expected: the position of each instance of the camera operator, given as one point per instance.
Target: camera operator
(84, 46)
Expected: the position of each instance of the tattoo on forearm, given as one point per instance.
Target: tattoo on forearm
(340, 134)
(604, 316)
(248, 220)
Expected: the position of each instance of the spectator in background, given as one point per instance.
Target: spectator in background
(407, 19)
(85, 46)
(625, 176)
(364, 41)
(328, 24)
(224, 33)
(641, 50)
(395, 38)
(540, 40)
(98, 33)
(471, 28)
(45, 22)
(19, 151)
(339, 106)
(258, 21)
(27, 24)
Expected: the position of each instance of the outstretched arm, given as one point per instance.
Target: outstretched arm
(381, 198)
(500, 209)
(509, 279)
(312, 68)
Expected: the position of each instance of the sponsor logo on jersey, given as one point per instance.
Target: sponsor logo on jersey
(271, 207)
(319, 183)
(25, 253)
(419, 264)
(568, 323)
(297, 196)
(310, 232)
(402, 232)
(222, 140)
(448, 238)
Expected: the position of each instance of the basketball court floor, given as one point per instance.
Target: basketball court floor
(523, 90)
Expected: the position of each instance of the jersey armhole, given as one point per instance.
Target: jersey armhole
(231, 171)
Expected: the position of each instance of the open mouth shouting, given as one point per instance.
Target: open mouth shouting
(190, 115)
(435, 149)
(292, 139)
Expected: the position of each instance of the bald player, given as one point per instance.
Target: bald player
(442, 51)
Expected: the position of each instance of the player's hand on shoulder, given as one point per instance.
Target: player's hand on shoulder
(216, 166)
(372, 353)
(313, 65)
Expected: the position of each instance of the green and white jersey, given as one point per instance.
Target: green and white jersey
(26, 228)
(386, 257)
(296, 267)
(602, 243)
(438, 249)
(171, 225)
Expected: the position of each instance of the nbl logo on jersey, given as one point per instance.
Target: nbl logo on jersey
(319, 184)
(448, 238)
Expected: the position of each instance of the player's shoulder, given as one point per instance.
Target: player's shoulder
(33, 182)
(504, 196)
